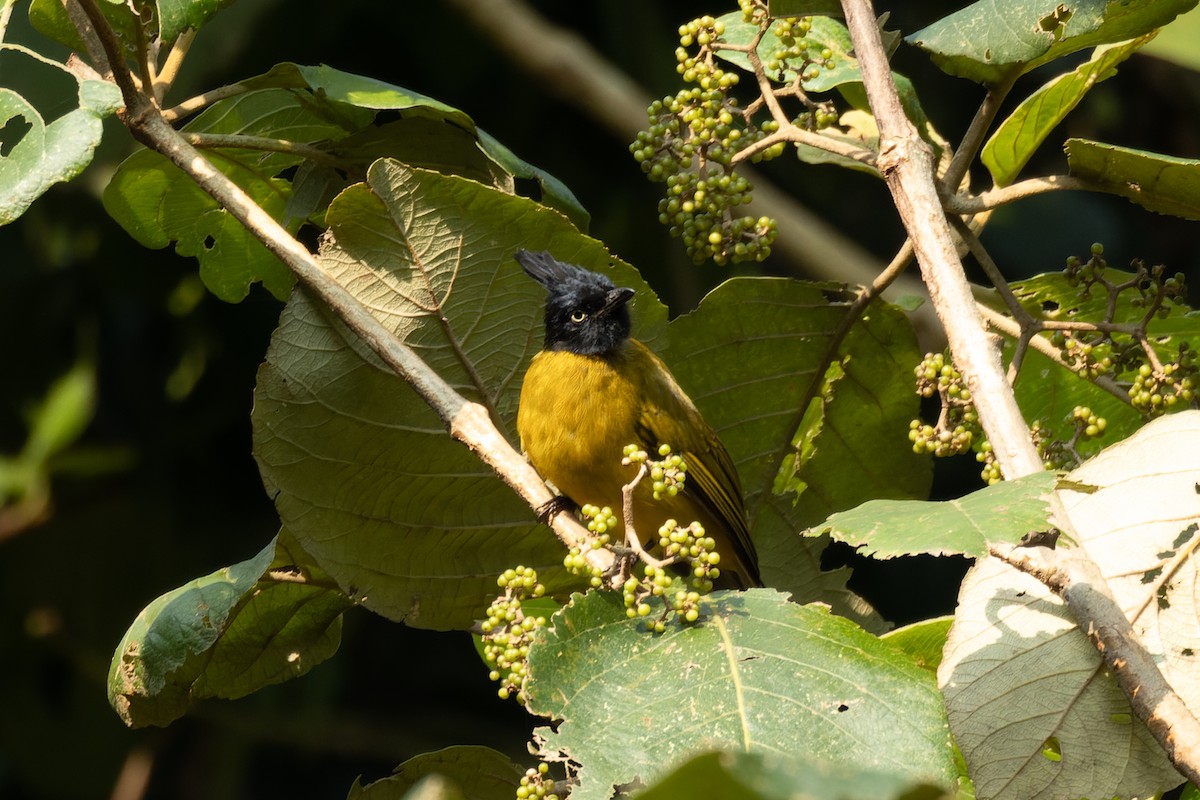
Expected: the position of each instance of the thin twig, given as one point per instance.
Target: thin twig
(214, 141)
(200, 101)
(1010, 328)
(631, 538)
(170, 68)
(972, 140)
(794, 134)
(993, 273)
(986, 201)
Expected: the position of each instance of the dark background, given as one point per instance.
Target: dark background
(169, 492)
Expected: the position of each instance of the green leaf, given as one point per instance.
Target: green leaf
(63, 415)
(228, 634)
(750, 356)
(758, 674)
(1002, 512)
(49, 18)
(360, 91)
(846, 450)
(991, 41)
(176, 16)
(1154, 181)
(761, 776)
(923, 641)
(158, 204)
(1019, 136)
(52, 153)
(361, 469)
(1018, 672)
(479, 773)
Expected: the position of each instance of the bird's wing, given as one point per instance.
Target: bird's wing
(669, 416)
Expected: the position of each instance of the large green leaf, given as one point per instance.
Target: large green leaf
(781, 335)
(158, 204)
(1030, 702)
(757, 776)
(228, 634)
(1023, 131)
(1003, 512)
(758, 674)
(51, 153)
(1160, 183)
(990, 41)
(479, 773)
(845, 448)
(361, 469)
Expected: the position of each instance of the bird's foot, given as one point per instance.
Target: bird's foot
(555, 505)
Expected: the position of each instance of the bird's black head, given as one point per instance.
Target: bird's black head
(585, 312)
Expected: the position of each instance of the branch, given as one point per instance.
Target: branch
(907, 165)
(466, 421)
(986, 201)
(194, 104)
(237, 140)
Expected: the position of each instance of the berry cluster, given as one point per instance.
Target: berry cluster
(1155, 391)
(796, 53)
(507, 631)
(689, 145)
(690, 545)
(687, 545)
(1061, 454)
(667, 476)
(1124, 352)
(599, 521)
(957, 428)
(536, 784)
(658, 583)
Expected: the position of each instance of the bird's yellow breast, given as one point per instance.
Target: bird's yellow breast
(576, 415)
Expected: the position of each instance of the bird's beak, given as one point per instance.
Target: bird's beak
(614, 300)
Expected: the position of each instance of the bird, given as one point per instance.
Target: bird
(592, 389)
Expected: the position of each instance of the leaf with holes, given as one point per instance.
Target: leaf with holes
(991, 41)
(228, 634)
(158, 204)
(41, 154)
(757, 674)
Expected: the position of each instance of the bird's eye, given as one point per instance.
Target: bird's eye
(578, 316)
